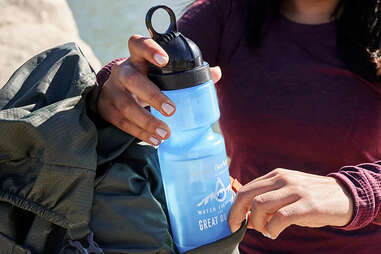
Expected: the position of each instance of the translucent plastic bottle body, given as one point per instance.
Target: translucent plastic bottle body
(194, 169)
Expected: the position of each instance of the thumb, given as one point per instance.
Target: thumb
(216, 73)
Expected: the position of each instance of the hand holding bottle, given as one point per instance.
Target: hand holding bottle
(128, 91)
(285, 197)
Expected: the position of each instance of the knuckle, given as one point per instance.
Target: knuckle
(283, 214)
(297, 190)
(281, 180)
(282, 174)
(259, 201)
(141, 134)
(241, 194)
(117, 104)
(115, 69)
(133, 39)
(122, 105)
(278, 171)
(121, 71)
(131, 77)
(153, 97)
(241, 197)
(147, 42)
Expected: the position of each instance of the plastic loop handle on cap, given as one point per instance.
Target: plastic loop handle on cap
(172, 26)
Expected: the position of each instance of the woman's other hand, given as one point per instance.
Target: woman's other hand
(284, 197)
(128, 90)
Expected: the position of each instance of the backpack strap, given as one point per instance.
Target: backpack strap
(38, 234)
(78, 246)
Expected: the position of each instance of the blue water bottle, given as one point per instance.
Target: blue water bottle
(193, 160)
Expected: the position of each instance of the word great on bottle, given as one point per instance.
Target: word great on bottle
(211, 222)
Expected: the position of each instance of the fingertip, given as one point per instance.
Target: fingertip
(154, 141)
(160, 59)
(218, 70)
(216, 73)
(232, 224)
(234, 228)
(168, 108)
(162, 132)
(267, 235)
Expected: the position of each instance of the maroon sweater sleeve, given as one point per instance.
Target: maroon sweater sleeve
(364, 183)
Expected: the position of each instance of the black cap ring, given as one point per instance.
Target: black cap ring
(172, 26)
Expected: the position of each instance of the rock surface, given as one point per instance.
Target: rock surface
(28, 27)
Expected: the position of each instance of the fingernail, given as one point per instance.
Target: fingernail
(234, 229)
(160, 59)
(162, 133)
(267, 235)
(154, 141)
(168, 109)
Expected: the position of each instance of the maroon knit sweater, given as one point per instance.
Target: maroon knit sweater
(293, 104)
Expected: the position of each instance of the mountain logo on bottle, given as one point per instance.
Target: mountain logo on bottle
(220, 193)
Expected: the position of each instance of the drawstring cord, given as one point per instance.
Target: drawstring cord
(93, 246)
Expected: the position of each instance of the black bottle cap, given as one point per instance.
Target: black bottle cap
(186, 67)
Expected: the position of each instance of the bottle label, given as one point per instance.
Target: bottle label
(199, 198)
(211, 210)
(205, 218)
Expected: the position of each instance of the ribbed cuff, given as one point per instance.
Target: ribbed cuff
(362, 201)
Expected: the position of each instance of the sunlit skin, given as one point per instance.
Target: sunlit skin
(128, 90)
(275, 201)
(309, 12)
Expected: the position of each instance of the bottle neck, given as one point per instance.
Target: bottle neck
(192, 135)
(195, 143)
(196, 107)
